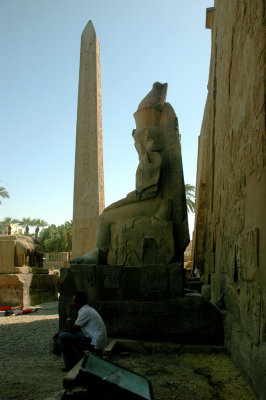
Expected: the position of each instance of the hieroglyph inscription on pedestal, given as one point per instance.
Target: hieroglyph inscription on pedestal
(89, 179)
(112, 276)
(154, 279)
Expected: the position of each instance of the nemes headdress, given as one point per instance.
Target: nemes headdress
(150, 108)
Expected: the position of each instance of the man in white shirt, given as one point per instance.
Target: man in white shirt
(88, 332)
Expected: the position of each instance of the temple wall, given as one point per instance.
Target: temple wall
(230, 229)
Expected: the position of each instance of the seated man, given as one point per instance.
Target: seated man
(88, 332)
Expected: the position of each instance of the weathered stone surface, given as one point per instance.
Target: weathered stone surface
(230, 229)
(7, 255)
(130, 246)
(27, 289)
(11, 289)
(206, 292)
(89, 179)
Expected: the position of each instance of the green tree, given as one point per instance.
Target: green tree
(190, 197)
(26, 223)
(39, 223)
(3, 193)
(7, 222)
(55, 238)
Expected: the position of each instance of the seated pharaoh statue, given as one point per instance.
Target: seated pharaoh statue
(148, 226)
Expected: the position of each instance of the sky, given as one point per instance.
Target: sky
(141, 42)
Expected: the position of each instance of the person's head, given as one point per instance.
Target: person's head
(79, 300)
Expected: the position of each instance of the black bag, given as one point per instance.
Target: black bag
(55, 345)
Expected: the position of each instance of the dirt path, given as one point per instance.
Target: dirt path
(28, 370)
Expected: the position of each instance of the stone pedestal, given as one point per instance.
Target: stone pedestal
(118, 282)
(143, 302)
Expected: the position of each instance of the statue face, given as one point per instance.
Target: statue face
(147, 139)
(154, 139)
(140, 140)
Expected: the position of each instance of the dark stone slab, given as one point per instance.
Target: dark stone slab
(116, 282)
(185, 320)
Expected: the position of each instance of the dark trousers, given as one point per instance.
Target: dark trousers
(72, 346)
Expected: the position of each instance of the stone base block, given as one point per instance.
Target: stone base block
(27, 289)
(143, 302)
(117, 282)
(185, 320)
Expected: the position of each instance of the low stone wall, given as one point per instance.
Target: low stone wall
(27, 289)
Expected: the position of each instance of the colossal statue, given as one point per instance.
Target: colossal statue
(153, 218)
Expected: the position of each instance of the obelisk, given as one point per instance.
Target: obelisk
(89, 180)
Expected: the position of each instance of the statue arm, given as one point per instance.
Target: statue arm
(147, 181)
(131, 198)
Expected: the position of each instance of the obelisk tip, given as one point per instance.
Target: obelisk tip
(89, 30)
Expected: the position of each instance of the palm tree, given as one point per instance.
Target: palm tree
(39, 223)
(6, 223)
(25, 223)
(190, 197)
(3, 193)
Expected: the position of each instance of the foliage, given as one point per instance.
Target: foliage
(26, 223)
(190, 197)
(3, 193)
(6, 222)
(39, 223)
(54, 238)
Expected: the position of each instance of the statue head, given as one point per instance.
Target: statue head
(147, 135)
(150, 108)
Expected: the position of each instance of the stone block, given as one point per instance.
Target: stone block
(27, 289)
(7, 254)
(146, 241)
(116, 282)
(185, 320)
(11, 290)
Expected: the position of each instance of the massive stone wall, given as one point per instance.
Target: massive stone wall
(230, 229)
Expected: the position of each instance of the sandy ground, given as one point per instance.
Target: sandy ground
(28, 370)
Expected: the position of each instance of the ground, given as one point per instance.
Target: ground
(29, 371)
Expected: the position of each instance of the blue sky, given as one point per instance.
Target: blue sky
(141, 42)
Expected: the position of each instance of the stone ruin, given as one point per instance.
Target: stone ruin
(23, 280)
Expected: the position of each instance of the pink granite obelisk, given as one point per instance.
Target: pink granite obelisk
(89, 179)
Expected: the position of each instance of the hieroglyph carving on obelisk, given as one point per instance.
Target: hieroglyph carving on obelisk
(89, 179)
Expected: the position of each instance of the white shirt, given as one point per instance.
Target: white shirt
(92, 326)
